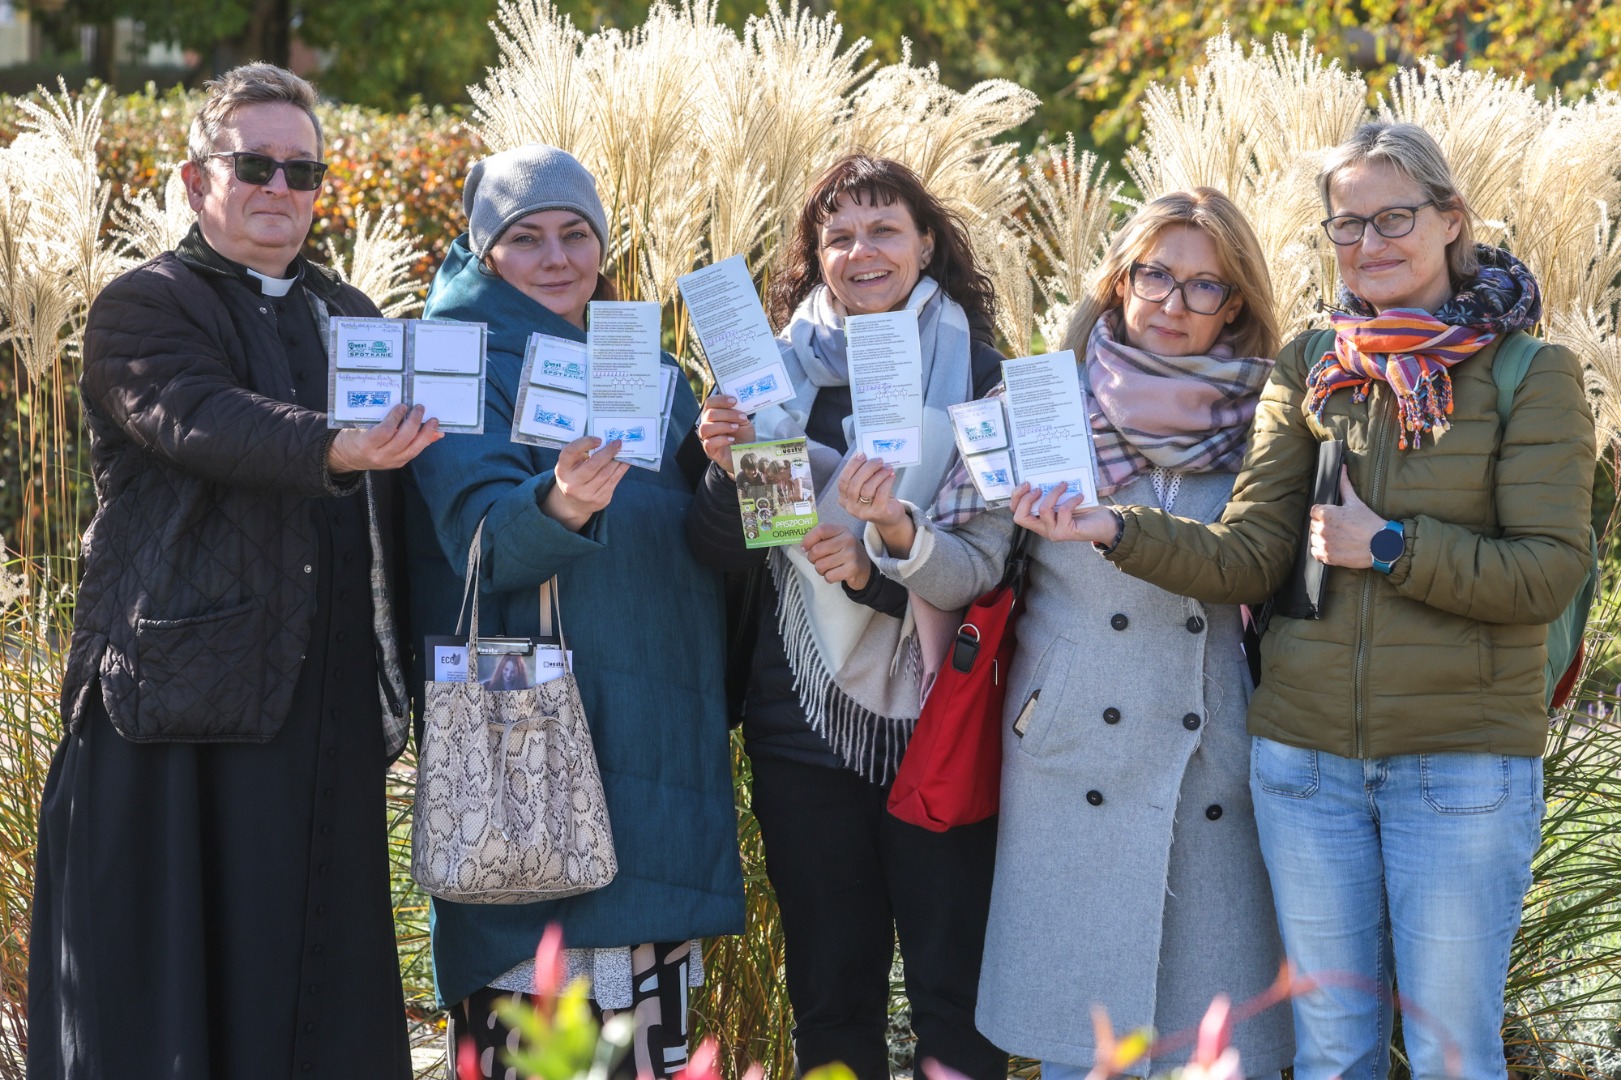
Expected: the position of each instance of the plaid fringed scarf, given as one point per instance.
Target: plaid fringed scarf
(1183, 413)
(1411, 350)
(1407, 348)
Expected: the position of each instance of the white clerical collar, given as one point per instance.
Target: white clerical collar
(273, 286)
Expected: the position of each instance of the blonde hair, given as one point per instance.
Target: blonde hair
(250, 84)
(1254, 331)
(1414, 153)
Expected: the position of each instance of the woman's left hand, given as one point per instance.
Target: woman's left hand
(867, 491)
(1340, 535)
(838, 556)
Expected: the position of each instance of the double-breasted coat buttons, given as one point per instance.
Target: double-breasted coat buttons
(1095, 798)
(1118, 621)
(1111, 715)
(1191, 721)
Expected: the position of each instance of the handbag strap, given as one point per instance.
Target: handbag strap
(469, 580)
(551, 605)
(551, 615)
(1018, 562)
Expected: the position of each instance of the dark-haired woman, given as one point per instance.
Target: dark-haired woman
(833, 692)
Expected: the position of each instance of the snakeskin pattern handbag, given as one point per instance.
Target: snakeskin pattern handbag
(509, 802)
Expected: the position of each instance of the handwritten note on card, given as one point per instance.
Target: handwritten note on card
(736, 339)
(886, 385)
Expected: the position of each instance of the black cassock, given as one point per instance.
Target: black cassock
(222, 911)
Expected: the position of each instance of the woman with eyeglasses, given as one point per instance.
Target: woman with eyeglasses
(1396, 765)
(1128, 873)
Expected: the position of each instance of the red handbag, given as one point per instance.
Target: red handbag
(951, 773)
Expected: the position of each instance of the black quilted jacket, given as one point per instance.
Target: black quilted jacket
(198, 586)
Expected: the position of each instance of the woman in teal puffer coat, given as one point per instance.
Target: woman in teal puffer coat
(645, 623)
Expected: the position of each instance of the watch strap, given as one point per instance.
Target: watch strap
(1396, 529)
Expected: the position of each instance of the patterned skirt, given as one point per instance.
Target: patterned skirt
(659, 979)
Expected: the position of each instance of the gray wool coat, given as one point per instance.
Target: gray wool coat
(1128, 873)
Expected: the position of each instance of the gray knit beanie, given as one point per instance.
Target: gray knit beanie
(513, 184)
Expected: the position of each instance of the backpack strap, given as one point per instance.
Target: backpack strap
(1320, 342)
(1514, 357)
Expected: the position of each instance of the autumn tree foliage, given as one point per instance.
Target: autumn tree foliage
(1569, 45)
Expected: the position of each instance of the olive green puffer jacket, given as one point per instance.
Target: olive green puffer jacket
(1446, 652)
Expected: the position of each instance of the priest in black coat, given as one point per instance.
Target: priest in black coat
(212, 896)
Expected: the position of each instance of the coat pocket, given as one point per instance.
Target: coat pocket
(199, 679)
(1033, 714)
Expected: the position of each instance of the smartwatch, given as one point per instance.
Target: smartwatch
(1387, 545)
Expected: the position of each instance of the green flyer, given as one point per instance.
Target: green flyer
(774, 492)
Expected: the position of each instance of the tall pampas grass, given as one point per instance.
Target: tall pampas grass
(147, 225)
(1071, 214)
(53, 262)
(704, 142)
(1592, 336)
(1485, 124)
(379, 262)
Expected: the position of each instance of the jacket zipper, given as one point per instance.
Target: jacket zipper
(1380, 415)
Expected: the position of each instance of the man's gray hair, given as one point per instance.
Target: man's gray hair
(250, 84)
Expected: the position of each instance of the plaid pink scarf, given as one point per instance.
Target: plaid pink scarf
(1184, 413)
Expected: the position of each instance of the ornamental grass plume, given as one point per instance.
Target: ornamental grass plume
(148, 226)
(1485, 125)
(1069, 218)
(704, 141)
(1592, 336)
(1567, 182)
(53, 204)
(381, 255)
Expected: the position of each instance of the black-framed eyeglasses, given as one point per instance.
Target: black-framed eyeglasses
(1200, 296)
(1393, 222)
(251, 168)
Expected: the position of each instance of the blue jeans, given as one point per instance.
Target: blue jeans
(1413, 866)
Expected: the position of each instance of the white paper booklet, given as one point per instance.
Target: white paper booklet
(1038, 431)
(553, 405)
(886, 385)
(375, 364)
(623, 380)
(980, 428)
(735, 337)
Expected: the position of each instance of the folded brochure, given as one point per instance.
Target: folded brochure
(554, 403)
(375, 364)
(1038, 431)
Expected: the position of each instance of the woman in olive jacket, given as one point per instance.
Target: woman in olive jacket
(1396, 768)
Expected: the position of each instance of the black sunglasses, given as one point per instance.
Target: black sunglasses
(251, 168)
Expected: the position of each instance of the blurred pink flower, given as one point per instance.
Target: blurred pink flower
(933, 1070)
(1213, 1056)
(549, 967)
(467, 1063)
(1215, 1031)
